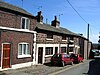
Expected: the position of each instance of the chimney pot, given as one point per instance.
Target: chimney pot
(56, 18)
(55, 23)
(39, 17)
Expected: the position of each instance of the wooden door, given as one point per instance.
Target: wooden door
(6, 56)
(40, 54)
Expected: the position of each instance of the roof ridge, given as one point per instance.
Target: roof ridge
(14, 8)
(54, 29)
(12, 5)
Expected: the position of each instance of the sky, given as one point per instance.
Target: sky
(88, 9)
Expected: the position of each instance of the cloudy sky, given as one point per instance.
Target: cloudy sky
(88, 9)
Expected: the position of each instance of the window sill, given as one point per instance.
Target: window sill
(64, 40)
(71, 52)
(49, 39)
(71, 41)
(25, 29)
(48, 55)
(23, 56)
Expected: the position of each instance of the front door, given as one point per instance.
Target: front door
(6, 55)
(40, 54)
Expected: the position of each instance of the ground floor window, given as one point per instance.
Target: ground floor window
(49, 51)
(63, 49)
(71, 49)
(23, 49)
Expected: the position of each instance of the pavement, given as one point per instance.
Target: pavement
(46, 69)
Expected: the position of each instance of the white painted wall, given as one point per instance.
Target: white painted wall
(47, 45)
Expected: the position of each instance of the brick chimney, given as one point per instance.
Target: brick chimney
(55, 23)
(39, 17)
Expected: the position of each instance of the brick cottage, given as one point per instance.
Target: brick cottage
(25, 40)
(17, 38)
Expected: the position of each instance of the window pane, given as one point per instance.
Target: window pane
(71, 38)
(28, 50)
(24, 48)
(27, 23)
(23, 23)
(63, 37)
(50, 35)
(20, 50)
(49, 51)
(70, 49)
(63, 49)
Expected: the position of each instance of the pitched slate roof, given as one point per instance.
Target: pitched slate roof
(61, 30)
(13, 8)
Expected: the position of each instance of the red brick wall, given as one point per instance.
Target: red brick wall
(14, 38)
(13, 20)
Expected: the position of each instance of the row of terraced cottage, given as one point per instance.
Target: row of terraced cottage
(25, 40)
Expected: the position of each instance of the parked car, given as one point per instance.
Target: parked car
(76, 58)
(61, 59)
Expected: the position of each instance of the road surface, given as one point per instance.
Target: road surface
(79, 69)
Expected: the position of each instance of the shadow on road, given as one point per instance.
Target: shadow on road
(50, 65)
(94, 67)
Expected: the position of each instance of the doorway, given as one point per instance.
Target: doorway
(6, 55)
(40, 55)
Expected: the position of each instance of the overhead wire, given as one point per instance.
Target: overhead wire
(77, 12)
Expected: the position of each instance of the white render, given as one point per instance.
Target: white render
(47, 45)
(22, 65)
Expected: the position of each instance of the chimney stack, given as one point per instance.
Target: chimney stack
(55, 23)
(39, 17)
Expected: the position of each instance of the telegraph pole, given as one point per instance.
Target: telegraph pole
(88, 41)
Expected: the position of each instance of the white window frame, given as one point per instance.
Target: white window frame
(24, 55)
(49, 52)
(25, 23)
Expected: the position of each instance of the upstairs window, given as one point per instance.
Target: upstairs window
(71, 38)
(25, 23)
(63, 37)
(50, 36)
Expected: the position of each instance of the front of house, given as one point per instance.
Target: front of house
(53, 39)
(17, 38)
(25, 40)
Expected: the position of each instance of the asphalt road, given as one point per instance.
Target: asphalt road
(79, 69)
